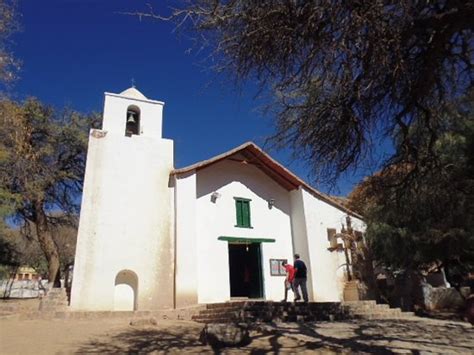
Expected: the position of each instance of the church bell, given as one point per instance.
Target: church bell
(131, 117)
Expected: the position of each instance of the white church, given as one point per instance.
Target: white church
(153, 236)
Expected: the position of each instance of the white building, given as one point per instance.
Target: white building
(152, 236)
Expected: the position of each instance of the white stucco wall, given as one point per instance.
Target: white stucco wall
(115, 115)
(300, 234)
(327, 270)
(186, 240)
(126, 220)
(233, 179)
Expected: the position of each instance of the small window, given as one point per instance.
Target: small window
(242, 208)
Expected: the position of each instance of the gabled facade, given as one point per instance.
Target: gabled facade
(152, 236)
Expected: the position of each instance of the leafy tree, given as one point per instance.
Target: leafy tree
(24, 249)
(431, 221)
(344, 73)
(42, 161)
(9, 254)
(8, 25)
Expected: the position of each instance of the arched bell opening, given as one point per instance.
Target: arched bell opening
(126, 291)
(133, 121)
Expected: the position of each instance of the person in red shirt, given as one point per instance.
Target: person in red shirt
(290, 275)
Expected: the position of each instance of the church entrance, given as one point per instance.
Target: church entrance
(245, 269)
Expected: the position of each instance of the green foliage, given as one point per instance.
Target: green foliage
(426, 218)
(18, 249)
(42, 157)
(42, 163)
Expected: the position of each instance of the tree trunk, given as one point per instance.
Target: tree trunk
(10, 281)
(47, 244)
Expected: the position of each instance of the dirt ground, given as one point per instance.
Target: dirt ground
(116, 336)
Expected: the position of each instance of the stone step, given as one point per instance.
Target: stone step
(57, 292)
(257, 318)
(224, 305)
(4, 313)
(184, 313)
(375, 310)
(388, 311)
(259, 311)
(55, 296)
(213, 320)
(56, 299)
(8, 308)
(371, 310)
(277, 310)
(361, 307)
(386, 316)
(366, 302)
(378, 311)
(219, 314)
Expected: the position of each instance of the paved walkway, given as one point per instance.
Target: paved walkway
(417, 336)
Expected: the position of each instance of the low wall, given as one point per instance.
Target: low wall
(22, 288)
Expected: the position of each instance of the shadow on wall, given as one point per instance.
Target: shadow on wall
(126, 291)
(381, 337)
(226, 172)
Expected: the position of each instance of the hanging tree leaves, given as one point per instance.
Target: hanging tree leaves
(344, 73)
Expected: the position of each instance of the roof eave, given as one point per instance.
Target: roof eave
(293, 180)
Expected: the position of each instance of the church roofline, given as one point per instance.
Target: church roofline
(134, 98)
(253, 154)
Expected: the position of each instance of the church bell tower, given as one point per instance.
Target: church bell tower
(125, 240)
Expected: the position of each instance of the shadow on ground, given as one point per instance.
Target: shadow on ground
(380, 337)
(145, 340)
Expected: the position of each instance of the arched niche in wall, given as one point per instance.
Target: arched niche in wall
(132, 126)
(126, 291)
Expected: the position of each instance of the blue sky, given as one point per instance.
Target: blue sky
(75, 50)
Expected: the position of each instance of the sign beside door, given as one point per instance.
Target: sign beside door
(276, 268)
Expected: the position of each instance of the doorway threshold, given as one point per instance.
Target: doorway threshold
(236, 299)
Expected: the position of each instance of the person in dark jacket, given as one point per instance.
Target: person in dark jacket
(300, 279)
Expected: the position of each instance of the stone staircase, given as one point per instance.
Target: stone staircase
(55, 300)
(264, 311)
(54, 306)
(372, 310)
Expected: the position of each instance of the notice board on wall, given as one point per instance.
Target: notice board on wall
(276, 268)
